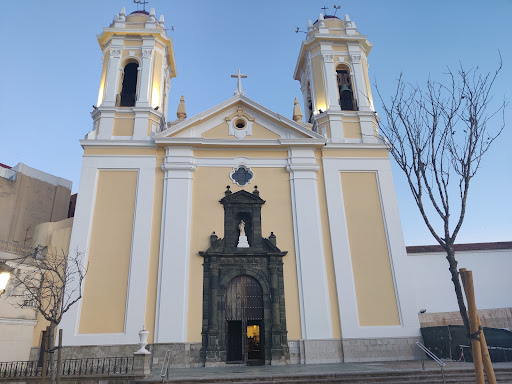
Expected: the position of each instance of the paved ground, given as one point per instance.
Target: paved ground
(283, 370)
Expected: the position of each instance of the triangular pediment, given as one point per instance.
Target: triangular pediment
(238, 119)
(242, 197)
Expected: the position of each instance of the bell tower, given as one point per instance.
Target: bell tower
(333, 72)
(138, 64)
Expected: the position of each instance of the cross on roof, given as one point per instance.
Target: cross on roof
(143, 2)
(239, 90)
(324, 8)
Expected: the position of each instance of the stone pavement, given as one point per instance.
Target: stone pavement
(251, 372)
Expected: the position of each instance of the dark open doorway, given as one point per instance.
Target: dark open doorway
(244, 321)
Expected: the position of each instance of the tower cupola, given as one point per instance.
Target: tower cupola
(333, 72)
(138, 64)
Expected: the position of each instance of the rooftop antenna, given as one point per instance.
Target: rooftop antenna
(298, 30)
(324, 8)
(143, 2)
(336, 7)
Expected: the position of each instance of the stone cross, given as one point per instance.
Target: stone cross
(239, 90)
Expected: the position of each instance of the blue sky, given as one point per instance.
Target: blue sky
(51, 63)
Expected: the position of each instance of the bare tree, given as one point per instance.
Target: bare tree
(52, 283)
(438, 136)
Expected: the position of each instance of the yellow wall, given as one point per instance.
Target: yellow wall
(318, 75)
(351, 130)
(208, 216)
(121, 151)
(221, 131)
(367, 79)
(375, 292)
(106, 59)
(241, 152)
(156, 90)
(109, 253)
(123, 126)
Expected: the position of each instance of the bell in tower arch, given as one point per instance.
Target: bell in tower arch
(346, 94)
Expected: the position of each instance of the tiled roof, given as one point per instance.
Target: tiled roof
(461, 247)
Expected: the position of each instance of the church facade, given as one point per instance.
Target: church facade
(255, 237)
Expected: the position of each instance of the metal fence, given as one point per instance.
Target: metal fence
(71, 367)
(20, 369)
(15, 248)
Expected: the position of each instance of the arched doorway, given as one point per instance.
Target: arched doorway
(245, 335)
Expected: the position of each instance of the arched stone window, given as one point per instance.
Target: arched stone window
(129, 88)
(345, 89)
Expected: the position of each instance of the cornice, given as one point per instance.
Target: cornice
(117, 144)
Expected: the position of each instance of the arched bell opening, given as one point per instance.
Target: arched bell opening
(345, 88)
(127, 97)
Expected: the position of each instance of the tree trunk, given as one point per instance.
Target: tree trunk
(51, 347)
(450, 256)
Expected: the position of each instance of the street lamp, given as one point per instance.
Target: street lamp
(5, 274)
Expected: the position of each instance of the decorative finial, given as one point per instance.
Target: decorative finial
(161, 20)
(213, 238)
(228, 192)
(152, 15)
(182, 111)
(256, 192)
(349, 23)
(272, 238)
(122, 14)
(239, 90)
(297, 113)
(321, 20)
(310, 25)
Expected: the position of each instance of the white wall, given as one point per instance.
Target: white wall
(492, 276)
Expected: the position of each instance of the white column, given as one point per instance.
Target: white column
(331, 86)
(360, 84)
(113, 72)
(173, 274)
(309, 248)
(146, 77)
(139, 257)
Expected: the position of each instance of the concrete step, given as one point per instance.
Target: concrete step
(452, 376)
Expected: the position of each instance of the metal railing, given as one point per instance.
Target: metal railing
(164, 372)
(125, 100)
(429, 353)
(15, 248)
(20, 369)
(97, 366)
(71, 367)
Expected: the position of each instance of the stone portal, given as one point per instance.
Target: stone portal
(243, 290)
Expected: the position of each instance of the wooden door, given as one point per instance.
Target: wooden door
(244, 303)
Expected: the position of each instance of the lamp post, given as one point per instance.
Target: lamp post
(5, 274)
